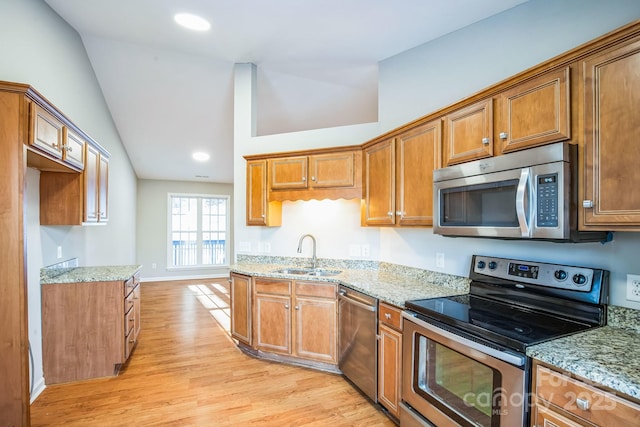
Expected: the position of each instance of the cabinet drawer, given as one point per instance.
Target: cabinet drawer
(129, 302)
(390, 316)
(131, 283)
(278, 287)
(315, 289)
(129, 321)
(600, 407)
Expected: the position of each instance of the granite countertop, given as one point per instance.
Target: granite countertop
(388, 282)
(87, 274)
(604, 356)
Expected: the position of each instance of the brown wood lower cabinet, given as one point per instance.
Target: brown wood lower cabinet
(560, 400)
(389, 358)
(88, 328)
(296, 318)
(241, 307)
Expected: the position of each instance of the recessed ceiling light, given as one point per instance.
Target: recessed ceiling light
(200, 156)
(192, 22)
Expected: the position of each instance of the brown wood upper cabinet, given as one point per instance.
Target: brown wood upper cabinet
(610, 98)
(260, 211)
(96, 186)
(314, 171)
(468, 133)
(532, 113)
(535, 112)
(399, 177)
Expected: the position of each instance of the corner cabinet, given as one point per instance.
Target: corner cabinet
(560, 400)
(398, 177)
(296, 318)
(610, 101)
(88, 328)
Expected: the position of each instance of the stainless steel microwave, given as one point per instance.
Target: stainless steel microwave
(529, 194)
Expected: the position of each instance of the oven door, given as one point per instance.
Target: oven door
(453, 381)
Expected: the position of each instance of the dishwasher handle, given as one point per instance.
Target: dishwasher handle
(342, 295)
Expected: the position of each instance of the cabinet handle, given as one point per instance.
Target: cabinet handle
(286, 306)
(387, 315)
(297, 307)
(56, 146)
(587, 204)
(131, 320)
(582, 404)
(399, 213)
(390, 213)
(304, 178)
(503, 135)
(485, 141)
(262, 215)
(313, 178)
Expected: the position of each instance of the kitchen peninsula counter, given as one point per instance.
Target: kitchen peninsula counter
(391, 283)
(88, 274)
(604, 356)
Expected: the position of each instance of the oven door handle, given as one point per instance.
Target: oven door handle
(524, 209)
(514, 359)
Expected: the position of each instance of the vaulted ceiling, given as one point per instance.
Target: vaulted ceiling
(170, 90)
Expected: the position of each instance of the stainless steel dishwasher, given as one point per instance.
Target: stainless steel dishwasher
(358, 320)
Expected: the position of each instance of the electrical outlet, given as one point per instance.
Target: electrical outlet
(366, 250)
(267, 247)
(633, 287)
(439, 260)
(154, 265)
(245, 247)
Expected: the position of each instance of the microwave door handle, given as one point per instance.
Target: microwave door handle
(521, 198)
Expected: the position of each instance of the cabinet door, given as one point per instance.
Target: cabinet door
(379, 175)
(389, 369)
(611, 85)
(418, 154)
(73, 152)
(288, 173)
(469, 133)
(273, 323)
(91, 183)
(536, 112)
(259, 210)
(241, 308)
(547, 417)
(103, 189)
(315, 329)
(332, 170)
(46, 131)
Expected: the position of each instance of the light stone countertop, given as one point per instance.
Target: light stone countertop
(107, 273)
(604, 356)
(388, 282)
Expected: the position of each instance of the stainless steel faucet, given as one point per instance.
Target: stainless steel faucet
(314, 259)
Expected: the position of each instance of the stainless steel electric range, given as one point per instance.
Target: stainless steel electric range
(465, 360)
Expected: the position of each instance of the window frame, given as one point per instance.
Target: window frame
(199, 231)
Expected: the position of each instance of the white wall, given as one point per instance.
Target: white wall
(151, 235)
(416, 83)
(40, 49)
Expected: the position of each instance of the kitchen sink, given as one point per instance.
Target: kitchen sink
(307, 271)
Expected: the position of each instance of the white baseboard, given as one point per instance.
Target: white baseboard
(170, 278)
(38, 388)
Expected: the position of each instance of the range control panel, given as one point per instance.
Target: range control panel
(536, 273)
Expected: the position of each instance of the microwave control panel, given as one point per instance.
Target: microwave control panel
(547, 200)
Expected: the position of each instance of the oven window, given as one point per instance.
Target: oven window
(457, 384)
(489, 205)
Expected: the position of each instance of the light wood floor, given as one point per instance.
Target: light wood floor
(186, 371)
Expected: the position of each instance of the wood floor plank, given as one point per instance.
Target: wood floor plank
(186, 371)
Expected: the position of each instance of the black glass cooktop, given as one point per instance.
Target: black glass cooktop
(506, 324)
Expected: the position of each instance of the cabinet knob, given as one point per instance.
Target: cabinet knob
(587, 204)
(485, 141)
(503, 135)
(387, 315)
(582, 403)
(390, 213)
(262, 215)
(304, 178)
(68, 148)
(131, 320)
(399, 213)
(286, 306)
(297, 307)
(313, 178)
